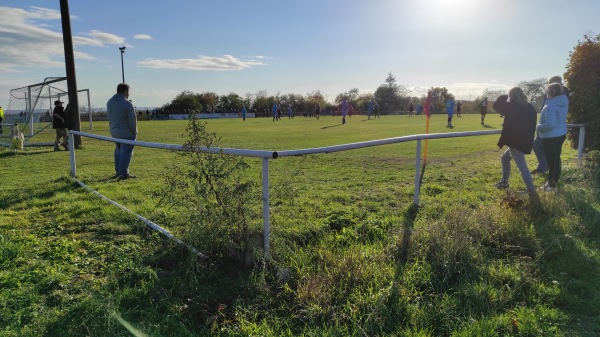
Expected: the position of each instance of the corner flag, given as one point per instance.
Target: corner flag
(427, 109)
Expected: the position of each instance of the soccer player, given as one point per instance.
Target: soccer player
(376, 110)
(483, 109)
(344, 108)
(275, 115)
(450, 110)
(318, 110)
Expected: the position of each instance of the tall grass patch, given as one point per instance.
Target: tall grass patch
(350, 255)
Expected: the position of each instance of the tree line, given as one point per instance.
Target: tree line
(392, 97)
(582, 76)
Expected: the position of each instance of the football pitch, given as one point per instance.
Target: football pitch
(382, 176)
(348, 252)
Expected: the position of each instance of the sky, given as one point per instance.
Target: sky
(283, 46)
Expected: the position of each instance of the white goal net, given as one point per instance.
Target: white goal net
(30, 107)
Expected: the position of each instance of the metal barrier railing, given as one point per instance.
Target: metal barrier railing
(266, 156)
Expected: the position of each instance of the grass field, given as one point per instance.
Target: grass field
(350, 256)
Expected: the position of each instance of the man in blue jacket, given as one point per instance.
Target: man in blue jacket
(123, 125)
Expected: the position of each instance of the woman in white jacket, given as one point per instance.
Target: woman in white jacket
(553, 130)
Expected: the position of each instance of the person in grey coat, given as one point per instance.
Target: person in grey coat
(123, 125)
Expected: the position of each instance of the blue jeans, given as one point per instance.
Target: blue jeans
(538, 149)
(123, 154)
(519, 158)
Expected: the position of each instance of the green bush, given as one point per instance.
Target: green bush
(212, 198)
(591, 166)
(583, 78)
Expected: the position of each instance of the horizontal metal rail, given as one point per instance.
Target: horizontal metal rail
(267, 155)
(230, 151)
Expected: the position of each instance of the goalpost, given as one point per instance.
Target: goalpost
(30, 107)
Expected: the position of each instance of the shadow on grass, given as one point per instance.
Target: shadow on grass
(10, 153)
(113, 178)
(62, 184)
(566, 260)
(331, 126)
(409, 215)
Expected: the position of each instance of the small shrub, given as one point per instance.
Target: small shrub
(212, 198)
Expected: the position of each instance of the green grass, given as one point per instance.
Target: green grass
(350, 256)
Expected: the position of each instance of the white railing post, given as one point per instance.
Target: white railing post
(29, 110)
(72, 155)
(417, 173)
(266, 208)
(580, 145)
(89, 109)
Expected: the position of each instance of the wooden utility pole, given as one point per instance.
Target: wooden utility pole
(73, 117)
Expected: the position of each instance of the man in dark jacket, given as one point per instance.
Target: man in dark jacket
(59, 123)
(518, 131)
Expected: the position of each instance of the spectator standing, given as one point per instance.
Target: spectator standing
(370, 109)
(59, 124)
(123, 125)
(538, 148)
(458, 108)
(244, 112)
(517, 134)
(553, 130)
(411, 108)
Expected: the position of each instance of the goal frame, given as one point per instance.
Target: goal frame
(33, 99)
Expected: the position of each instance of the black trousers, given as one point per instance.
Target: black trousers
(552, 149)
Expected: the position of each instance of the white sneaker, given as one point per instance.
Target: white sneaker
(548, 188)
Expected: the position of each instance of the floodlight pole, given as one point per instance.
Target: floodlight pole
(122, 49)
(73, 114)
